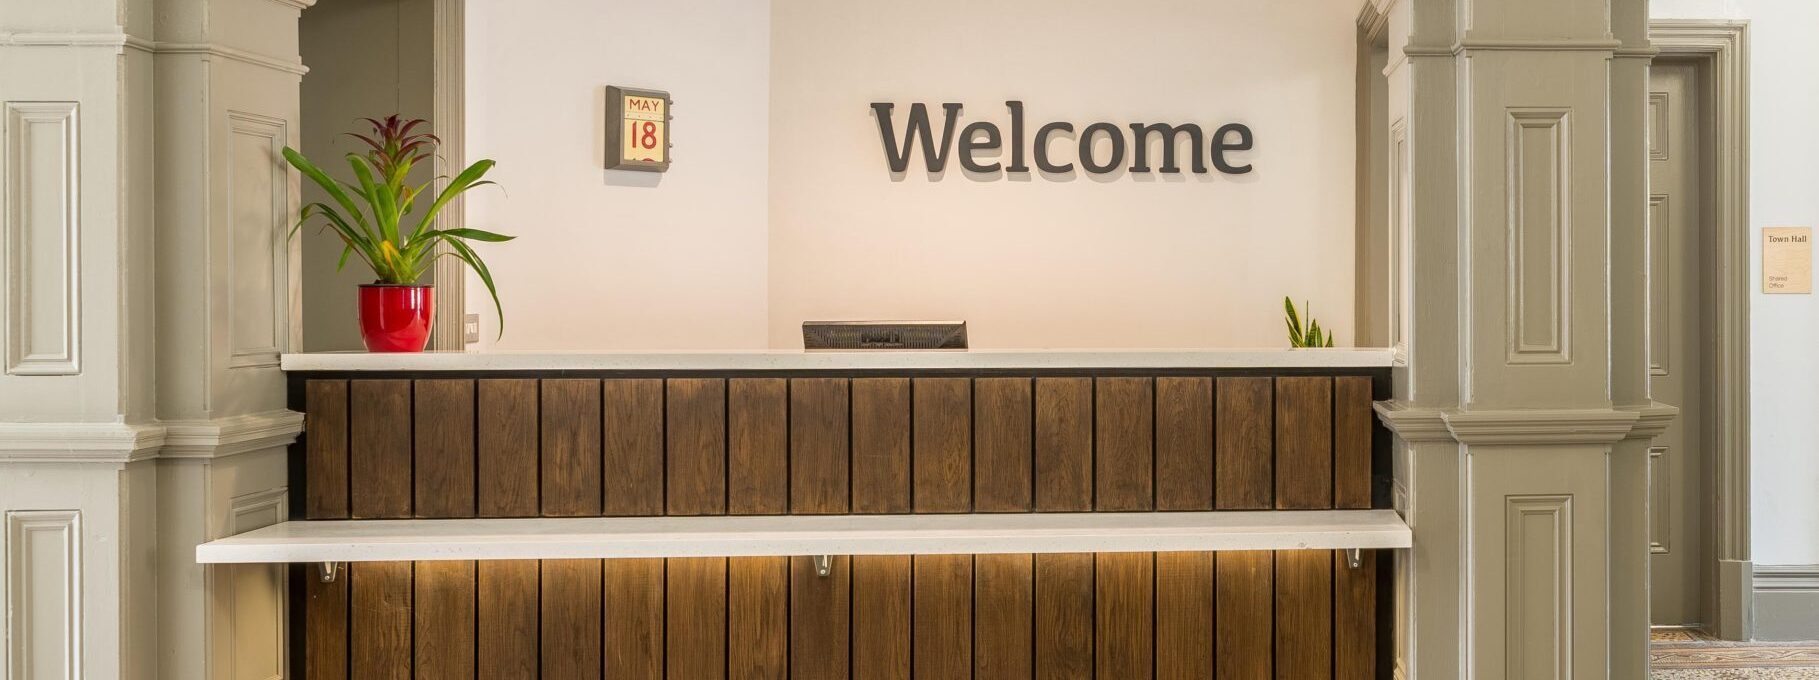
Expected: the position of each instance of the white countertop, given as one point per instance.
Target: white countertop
(562, 538)
(796, 360)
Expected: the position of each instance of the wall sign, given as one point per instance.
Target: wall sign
(1217, 147)
(1787, 260)
(637, 129)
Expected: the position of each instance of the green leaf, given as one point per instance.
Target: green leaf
(330, 186)
(473, 260)
(461, 183)
(1294, 322)
(477, 235)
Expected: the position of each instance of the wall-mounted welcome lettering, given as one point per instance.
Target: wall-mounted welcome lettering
(985, 136)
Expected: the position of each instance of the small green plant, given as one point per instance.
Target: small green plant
(1311, 336)
(376, 227)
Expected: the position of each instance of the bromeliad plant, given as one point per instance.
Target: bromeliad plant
(388, 227)
(1311, 336)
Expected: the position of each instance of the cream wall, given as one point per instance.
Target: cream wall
(1076, 260)
(612, 259)
(1784, 329)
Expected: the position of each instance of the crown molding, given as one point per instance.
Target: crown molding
(1540, 426)
(115, 443)
(1413, 425)
(223, 437)
(1652, 419)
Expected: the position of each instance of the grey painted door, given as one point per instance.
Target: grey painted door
(1678, 326)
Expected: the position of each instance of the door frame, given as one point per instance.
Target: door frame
(1721, 48)
(448, 106)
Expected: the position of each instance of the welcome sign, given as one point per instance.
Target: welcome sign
(1216, 148)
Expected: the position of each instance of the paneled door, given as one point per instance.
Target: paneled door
(1680, 325)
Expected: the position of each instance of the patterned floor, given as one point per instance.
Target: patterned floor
(1693, 655)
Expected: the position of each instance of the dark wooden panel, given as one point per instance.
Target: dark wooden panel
(697, 618)
(632, 435)
(818, 446)
(1184, 443)
(820, 619)
(757, 618)
(1243, 643)
(379, 448)
(505, 617)
(697, 446)
(881, 445)
(325, 635)
(943, 620)
(757, 459)
(1304, 615)
(1064, 444)
(507, 450)
(1243, 476)
(1003, 444)
(1126, 615)
(633, 602)
(1304, 443)
(1004, 603)
(444, 608)
(1184, 615)
(571, 619)
(379, 622)
(571, 451)
(444, 483)
(1124, 461)
(1352, 422)
(942, 445)
(1064, 616)
(1354, 618)
(881, 614)
(325, 437)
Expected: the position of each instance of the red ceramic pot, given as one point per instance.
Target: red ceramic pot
(395, 318)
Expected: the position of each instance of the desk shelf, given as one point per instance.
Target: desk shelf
(734, 536)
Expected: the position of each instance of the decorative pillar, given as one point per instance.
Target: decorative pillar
(1521, 407)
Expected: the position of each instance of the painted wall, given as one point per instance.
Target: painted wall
(1784, 329)
(611, 259)
(1071, 260)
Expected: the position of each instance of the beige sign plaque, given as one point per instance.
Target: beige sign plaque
(1787, 260)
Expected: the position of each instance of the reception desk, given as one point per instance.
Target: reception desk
(1261, 470)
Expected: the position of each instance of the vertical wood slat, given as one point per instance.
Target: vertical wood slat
(325, 439)
(1064, 616)
(571, 617)
(1004, 602)
(325, 635)
(571, 460)
(1064, 444)
(1003, 445)
(379, 621)
(1304, 443)
(942, 637)
(506, 448)
(757, 457)
(1352, 427)
(1184, 443)
(1125, 615)
(820, 622)
(506, 640)
(757, 618)
(697, 446)
(443, 605)
(696, 633)
(1184, 615)
(942, 444)
(1124, 458)
(632, 427)
(1304, 615)
(379, 448)
(881, 617)
(1243, 584)
(633, 635)
(1354, 618)
(443, 485)
(1244, 477)
(881, 445)
(819, 467)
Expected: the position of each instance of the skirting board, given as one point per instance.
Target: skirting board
(1787, 602)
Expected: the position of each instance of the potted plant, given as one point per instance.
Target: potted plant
(380, 217)
(1299, 337)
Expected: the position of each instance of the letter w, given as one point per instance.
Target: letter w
(918, 126)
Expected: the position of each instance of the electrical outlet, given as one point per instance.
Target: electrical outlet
(470, 328)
